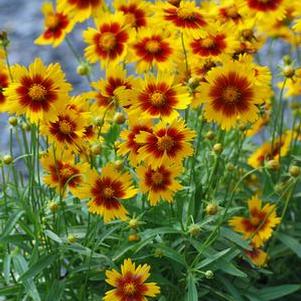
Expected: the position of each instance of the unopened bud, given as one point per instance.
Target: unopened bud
(134, 237)
(217, 148)
(96, 149)
(53, 206)
(133, 223)
(194, 230)
(273, 165)
(230, 167)
(209, 274)
(71, 239)
(83, 69)
(7, 159)
(288, 71)
(13, 121)
(211, 209)
(210, 135)
(119, 118)
(295, 171)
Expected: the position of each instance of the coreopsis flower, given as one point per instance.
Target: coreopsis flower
(231, 92)
(105, 90)
(158, 97)
(185, 17)
(62, 173)
(271, 150)
(106, 190)
(107, 43)
(159, 183)
(56, 26)
(81, 10)
(229, 11)
(166, 144)
(66, 130)
(258, 125)
(38, 92)
(153, 47)
(257, 256)
(136, 11)
(293, 84)
(4, 82)
(219, 40)
(129, 146)
(259, 225)
(130, 284)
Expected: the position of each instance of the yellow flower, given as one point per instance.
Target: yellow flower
(80, 10)
(257, 256)
(231, 92)
(38, 92)
(168, 143)
(106, 190)
(57, 26)
(4, 82)
(157, 97)
(130, 283)
(259, 225)
(159, 183)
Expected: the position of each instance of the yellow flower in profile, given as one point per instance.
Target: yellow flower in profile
(257, 256)
(62, 173)
(108, 42)
(57, 26)
(81, 10)
(271, 151)
(66, 130)
(130, 284)
(157, 97)
(168, 143)
(38, 92)
(4, 82)
(153, 48)
(258, 125)
(229, 11)
(259, 225)
(159, 183)
(106, 190)
(231, 93)
(136, 12)
(129, 146)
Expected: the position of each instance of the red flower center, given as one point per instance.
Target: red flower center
(152, 46)
(107, 41)
(157, 178)
(208, 42)
(231, 94)
(84, 4)
(108, 192)
(130, 289)
(37, 92)
(65, 127)
(52, 21)
(158, 99)
(264, 5)
(165, 143)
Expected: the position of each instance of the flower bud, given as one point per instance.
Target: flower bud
(96, 149)
(295, 171)
(83, 69)
(4, 42)
(287, 60)
(159, 253)
(211, 209)
(26, 127)
(118, 164)
(133, 223)
(194, 230)
(209, 274)
(134, 237)
(273, 165)
(217, 148)
(288, 71)
(7, 159)
(119, 118)
(210, 135)
(230, 167)
(13, 121)
(71, 238)
(53, 206)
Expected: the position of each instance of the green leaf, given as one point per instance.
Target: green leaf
(56, 291)
(6, 267)
(276, 292)
(172, 254)
(11, 223)
(53, 236)
(235, 238)
(230, 288)
(38, 267)
(192, 294)
(291, 243)
(213, 258)
(10, 290)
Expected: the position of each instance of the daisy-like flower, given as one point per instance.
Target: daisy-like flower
(168, 143)
(106, 190)
(158, 97)
(219, 40)
(231, 92)
(38, 92)
(62, 173)
(271, 151)
(4, 82)
(57, 26)
(159, 183)
(108, 42)
(136, 11)
(229, 11)
(66, 130)
(185, 17)
(260, 223)
(105, 91)
(153, 47)
(129, 146)
(257, 256)
(81, 10)
(130, 283)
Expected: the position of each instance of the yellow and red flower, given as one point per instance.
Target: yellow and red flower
(168, 143)
(108, 42)
(81, 10)
(231, 92)
(62, 172)
(257, 256)
(106, 190)
(57, 26)
(259, 225)
(153, 48)
(38, 92)
(4, 82)
(129, 145)
(158, 97)
(159, 183)
(130, 283)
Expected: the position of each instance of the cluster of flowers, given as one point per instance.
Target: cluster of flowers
(186, 57)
